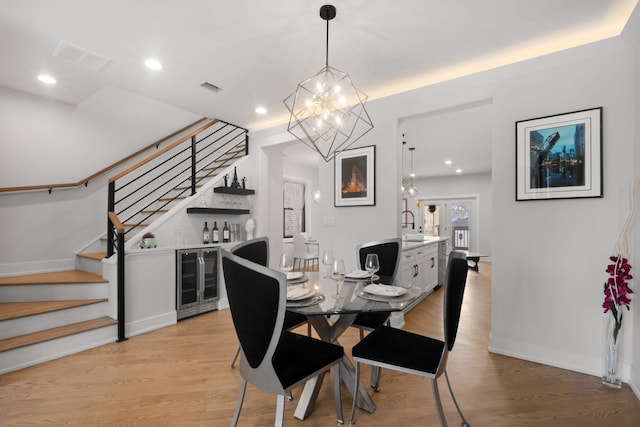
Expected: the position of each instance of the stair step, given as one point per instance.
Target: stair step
(53, 333)
(15, 310)
(126, 239)
(187, 187)
(54, 278)
(155, 211)
(171, 199)
(98, 256)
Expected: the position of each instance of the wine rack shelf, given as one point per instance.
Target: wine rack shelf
(231, 190)
(218, 211)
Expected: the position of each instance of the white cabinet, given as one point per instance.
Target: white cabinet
(419, 266)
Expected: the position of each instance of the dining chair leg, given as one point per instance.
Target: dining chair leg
(436, 397)
(289, 396)
(465, 423)
(352, 420)
(279, 410)
(375, 377)
(235, 358)
(336, 394)
(236, 414)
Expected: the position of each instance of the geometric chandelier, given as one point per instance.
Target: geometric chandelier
(327, 111)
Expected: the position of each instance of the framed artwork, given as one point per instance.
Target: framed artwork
(355, 177)
(559, 157)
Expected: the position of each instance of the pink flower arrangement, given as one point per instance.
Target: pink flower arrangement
(617, 291)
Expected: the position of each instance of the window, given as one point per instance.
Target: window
(294, 210)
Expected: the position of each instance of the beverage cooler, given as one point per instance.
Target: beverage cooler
(196, 281)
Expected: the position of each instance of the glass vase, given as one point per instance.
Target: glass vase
(610, 378)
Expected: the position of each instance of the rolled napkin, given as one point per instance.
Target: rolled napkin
(358, 274)
(294, 275)
(385, 290)
(295, 294)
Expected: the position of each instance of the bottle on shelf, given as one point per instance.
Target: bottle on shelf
(216, 233)
(205, 234)
(225, 233)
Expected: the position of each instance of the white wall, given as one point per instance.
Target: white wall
(549, 256)
(632, 34)
(46, 142)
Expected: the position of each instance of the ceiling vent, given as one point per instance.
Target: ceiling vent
(80, 56)
(211, 87)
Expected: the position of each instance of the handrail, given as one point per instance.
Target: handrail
(117, 225)
(86, 181)
(162, 151)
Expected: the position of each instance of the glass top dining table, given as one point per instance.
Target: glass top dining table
(331, 308)
(320, 295)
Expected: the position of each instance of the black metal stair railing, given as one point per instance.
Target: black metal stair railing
(138, 194)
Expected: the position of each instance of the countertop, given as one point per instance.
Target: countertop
(411, 244)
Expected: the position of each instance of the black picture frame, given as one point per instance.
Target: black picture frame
(559, 156)
(355, 177)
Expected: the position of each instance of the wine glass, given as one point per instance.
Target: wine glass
(327, 260)
(372, 264)
(286, 263)
(338, 273)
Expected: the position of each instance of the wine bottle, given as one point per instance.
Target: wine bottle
(205, 234)
(216, 233)
(225, 233)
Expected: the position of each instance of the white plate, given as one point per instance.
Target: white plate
(385, 290)
(358, 274)
(294, 275)
(364, 279)
(296, 294)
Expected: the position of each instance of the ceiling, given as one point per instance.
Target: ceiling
(257, 51)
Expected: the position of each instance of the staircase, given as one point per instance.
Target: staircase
(50, 315)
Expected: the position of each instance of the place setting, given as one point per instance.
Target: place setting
(293, 277)
(298, 294)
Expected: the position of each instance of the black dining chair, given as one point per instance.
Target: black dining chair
(388, 251)
(416, 354)
(257, 250)
(272, 359)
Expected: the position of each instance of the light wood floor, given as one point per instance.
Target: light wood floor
(179, 376)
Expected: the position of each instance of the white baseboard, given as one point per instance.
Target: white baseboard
(552, 357)
(151, 323)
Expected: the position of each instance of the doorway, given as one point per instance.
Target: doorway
(454, 218)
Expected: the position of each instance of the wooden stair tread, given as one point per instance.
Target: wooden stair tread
(53, 333)
(15, 310)
(54, 278)
(98, 256)
(153, 211)
(126, 239)
(171, 199)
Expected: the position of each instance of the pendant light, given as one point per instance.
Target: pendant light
(412, 191)
(327, 111)
(404, 185)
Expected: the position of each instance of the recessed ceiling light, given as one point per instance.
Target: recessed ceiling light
(448, 162)
(47, 79)
(458, 170)
(261, 110)
(153, 64)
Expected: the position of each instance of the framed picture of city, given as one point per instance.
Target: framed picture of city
(355, 177)
(559, 157)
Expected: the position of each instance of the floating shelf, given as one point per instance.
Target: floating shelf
(230, 190)
(218, 211)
